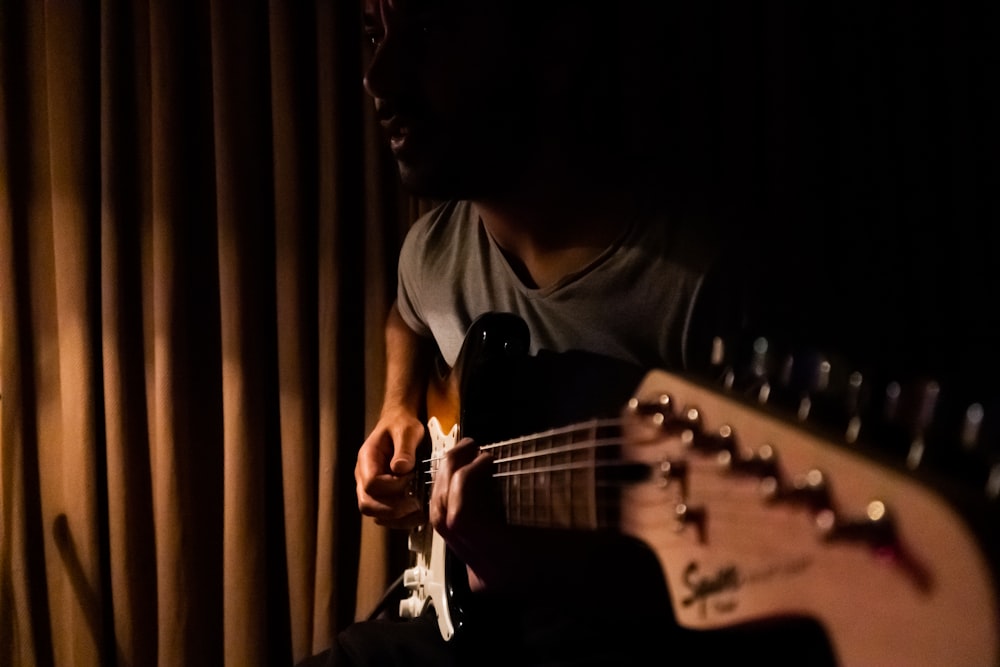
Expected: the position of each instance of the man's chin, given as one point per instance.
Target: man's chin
(430, 183)
(448, 183)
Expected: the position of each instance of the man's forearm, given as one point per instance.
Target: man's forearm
(408, 357)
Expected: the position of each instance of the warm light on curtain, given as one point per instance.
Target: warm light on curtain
(199, 229)
(197, 248)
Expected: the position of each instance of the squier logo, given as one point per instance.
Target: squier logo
(720, 588)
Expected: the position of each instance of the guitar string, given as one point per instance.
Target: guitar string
(547, 503)
(595, 444)
(588, 426)
(582, 445)
(561, 449)
(551, 434)
(613, 422)
(556, 503)
(546, 500)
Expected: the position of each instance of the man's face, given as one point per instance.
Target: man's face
(453, 90)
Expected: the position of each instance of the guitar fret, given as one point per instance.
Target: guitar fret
(550, 480)
(586, 478)
(550, 500)
(568, 473)
(529, 490)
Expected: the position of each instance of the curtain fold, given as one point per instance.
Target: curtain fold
(296, 280)
(251, 447)
(124, 249)
(189, 303)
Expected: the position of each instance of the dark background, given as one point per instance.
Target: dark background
(854, 145)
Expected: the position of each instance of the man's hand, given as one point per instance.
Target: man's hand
(385, 471)
(466, 508)
(467, 512)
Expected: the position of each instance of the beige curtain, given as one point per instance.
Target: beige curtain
(198, 233)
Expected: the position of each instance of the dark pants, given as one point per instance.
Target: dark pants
(619, 617)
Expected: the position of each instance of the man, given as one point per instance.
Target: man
(510, 112)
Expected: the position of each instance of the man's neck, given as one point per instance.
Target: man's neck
(548, 235)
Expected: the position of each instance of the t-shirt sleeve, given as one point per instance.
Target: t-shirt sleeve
(409, 279)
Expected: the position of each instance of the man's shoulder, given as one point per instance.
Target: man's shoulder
(442, 218)
(694, 243)
(439, 234)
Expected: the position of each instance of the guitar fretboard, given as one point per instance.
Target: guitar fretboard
(555, 479)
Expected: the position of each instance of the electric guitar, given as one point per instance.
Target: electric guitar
(751, 515)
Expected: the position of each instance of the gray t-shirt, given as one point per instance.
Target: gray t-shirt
(633, 303)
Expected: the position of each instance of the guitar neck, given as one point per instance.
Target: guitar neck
(562, 478)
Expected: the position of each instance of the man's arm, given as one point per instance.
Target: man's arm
(386, 460)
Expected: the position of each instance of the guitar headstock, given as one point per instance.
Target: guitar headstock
(756, 515)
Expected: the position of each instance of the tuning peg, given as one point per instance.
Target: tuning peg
(687, 515)
(722, 440)
(758, 361)
(900, 426)
(798, 378)
(810, 489)
(746, 369)
(926, 398)
(927, 395)
(763, 462)
(993, 483)
(815, 372)
(913, 410)
(853, 397)
(972, 424)
(675, 470)
(662, 405)
(911, 406)
(717, 353)
(875, 526)
(980, 442)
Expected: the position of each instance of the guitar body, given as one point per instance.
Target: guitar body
(462, 401)
(752, 522)
(496, 391)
